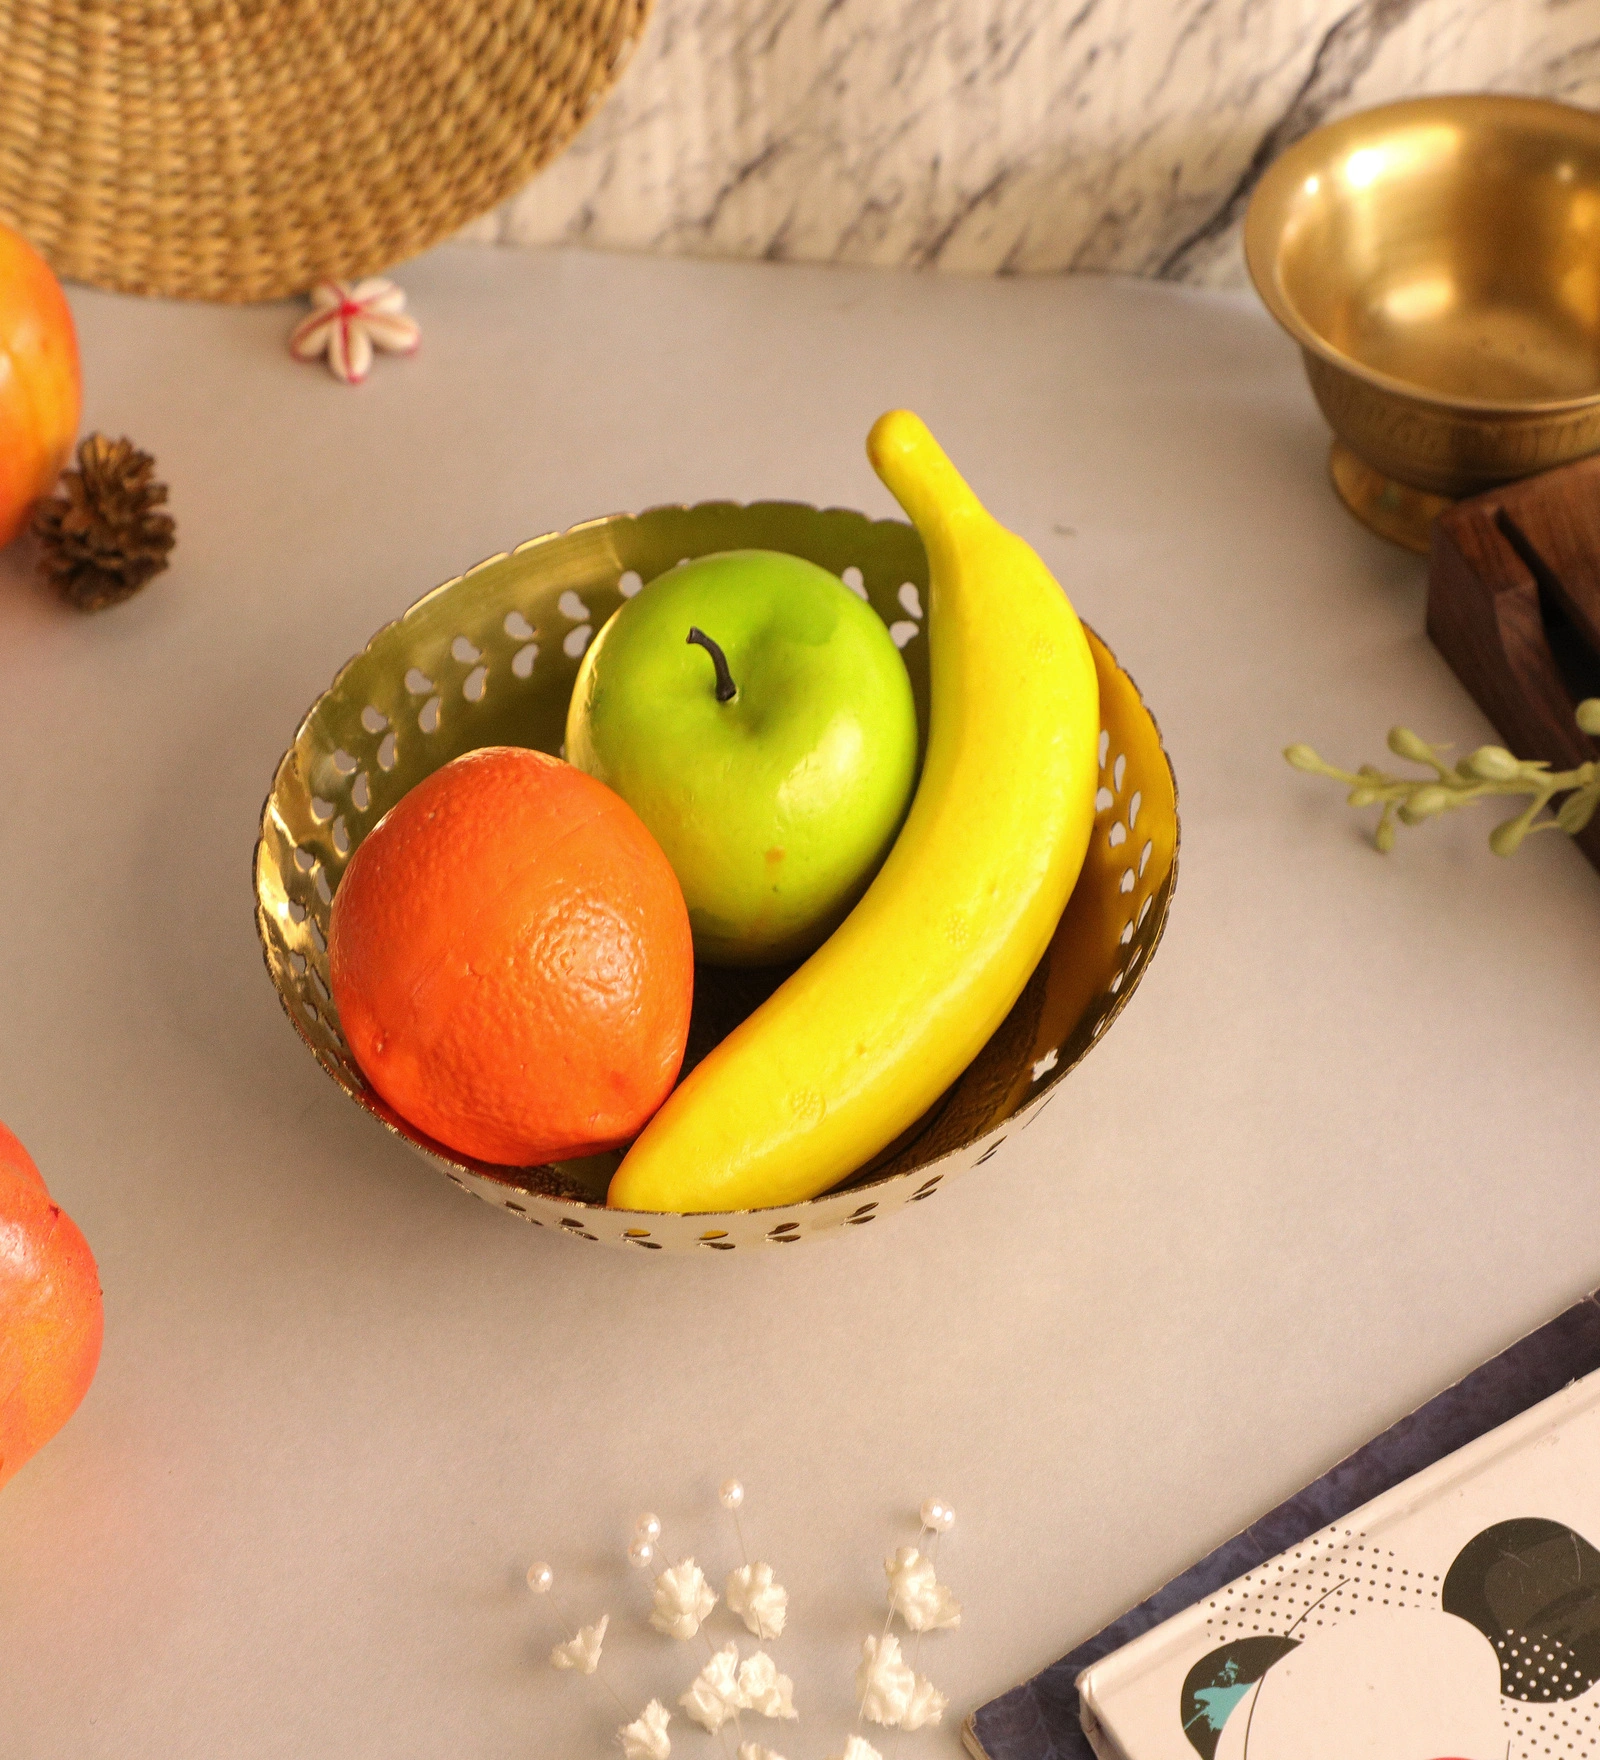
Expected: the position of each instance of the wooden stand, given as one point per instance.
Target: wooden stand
(1514, 607)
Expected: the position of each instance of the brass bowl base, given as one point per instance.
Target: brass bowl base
(1393, 510)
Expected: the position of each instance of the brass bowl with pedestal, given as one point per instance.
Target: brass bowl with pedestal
(1438, 262)
(490, 658)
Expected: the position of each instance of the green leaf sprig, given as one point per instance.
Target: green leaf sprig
(1491, 770)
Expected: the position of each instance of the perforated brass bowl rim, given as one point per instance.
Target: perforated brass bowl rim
(489, 658)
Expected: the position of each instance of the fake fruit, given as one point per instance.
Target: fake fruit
(50, 1312)
(758, 718)
(511, 961)
(859, 1042)
(40, 387)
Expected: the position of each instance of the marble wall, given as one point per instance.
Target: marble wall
(1005, 135)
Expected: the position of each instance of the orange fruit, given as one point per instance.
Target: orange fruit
(51, 1319)
(510, 957)
(40, 383)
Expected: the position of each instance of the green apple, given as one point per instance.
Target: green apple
(756, 715)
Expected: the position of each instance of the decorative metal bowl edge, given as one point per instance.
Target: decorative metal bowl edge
(489, 658)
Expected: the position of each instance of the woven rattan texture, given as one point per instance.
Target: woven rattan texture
(243, 149)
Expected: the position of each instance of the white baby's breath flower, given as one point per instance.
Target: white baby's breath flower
(583, 1651)
(926, 1706)
(884, 1681)
(925, 1605)
(646, 1737)
(683, 1599)
(713, 1694)
(755, 1751)
(857, 1748)
(761, 1603)
(763, 1689)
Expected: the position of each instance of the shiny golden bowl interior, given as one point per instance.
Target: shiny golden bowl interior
(1438, 261)
(490, 658)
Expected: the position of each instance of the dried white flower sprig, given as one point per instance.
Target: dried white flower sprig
(582, 1648)
(924, 1603)
(888, 1688)
(347, 321)
(857, 1748)
(646, 1737)
(683, 1599)
(761, 1602)
(883, 1681)
(891, 1691)
(763, 1689)
(583, 1651)
(726, 1686)
(927, 1705)
(713, 1697)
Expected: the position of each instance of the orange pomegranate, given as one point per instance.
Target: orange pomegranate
(40, 385)
(510, 956)
(50, 1312)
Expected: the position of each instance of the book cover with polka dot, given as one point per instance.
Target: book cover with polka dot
(1454, 1617)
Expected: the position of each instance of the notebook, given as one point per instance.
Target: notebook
(1436, 1596)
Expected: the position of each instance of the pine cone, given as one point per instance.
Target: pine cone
(103, 538)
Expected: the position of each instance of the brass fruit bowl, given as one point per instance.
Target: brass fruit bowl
(490, 658)
(1438, 261)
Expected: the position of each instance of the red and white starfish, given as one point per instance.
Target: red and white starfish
(347, 322)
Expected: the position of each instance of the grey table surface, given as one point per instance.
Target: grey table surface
(1335, 1152)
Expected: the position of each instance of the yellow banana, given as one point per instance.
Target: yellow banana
(884, 1016)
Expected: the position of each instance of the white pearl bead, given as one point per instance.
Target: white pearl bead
(641, 1552)
(540, 1578)
(731, 1496)
(648, 1526)
(938, 1515)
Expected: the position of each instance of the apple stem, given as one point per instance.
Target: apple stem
(727, 690)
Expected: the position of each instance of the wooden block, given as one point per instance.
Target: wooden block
(1514, 607)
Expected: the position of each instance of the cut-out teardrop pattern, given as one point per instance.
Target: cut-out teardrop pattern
(488, 644)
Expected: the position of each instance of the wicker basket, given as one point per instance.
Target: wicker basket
(490, 658)
(243, 149)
